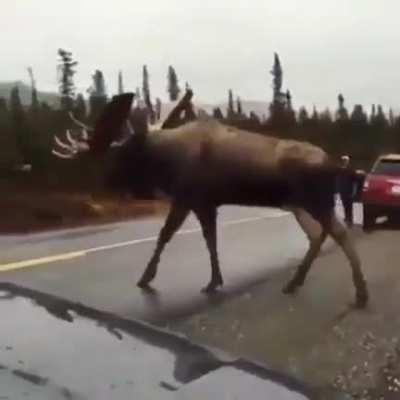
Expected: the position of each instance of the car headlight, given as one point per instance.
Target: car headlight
(366, 185)
(395, 190)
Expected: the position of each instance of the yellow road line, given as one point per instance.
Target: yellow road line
(84, 252)
(41, 260)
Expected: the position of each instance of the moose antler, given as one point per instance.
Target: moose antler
(185, 104)
(84, 128)
(106, 133)
(79, 123)
(71, 147)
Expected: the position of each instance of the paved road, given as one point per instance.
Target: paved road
(317, 335)
(99, 266)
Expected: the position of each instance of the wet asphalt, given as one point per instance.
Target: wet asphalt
(59, 346)
(98, 267)
(253, 244)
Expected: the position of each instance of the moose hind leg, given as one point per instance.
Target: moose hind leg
(342, 237)
(175, 219)
(208, 221)
(316, 236)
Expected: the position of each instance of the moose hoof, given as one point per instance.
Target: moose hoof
(362, 299)
(144, 284)
(290, 288)
(212, 287)
(146, 278)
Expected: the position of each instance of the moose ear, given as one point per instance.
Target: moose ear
(108, 126)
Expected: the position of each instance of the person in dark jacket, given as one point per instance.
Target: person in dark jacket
(347, 188)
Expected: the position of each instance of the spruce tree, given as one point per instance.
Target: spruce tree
(373, 114)
(391, 118)
(239, 109)
(231, 110)
(277, 80)
(145, 85)
(358, 116)
(138, 95)
(16, 108)
(98, 95)
(20, 125)
(289, 105)
(380, 120)
(254, 117)
(120, 83)
(278, 117)
(158, 109)
(173, 86)
(66, 69)
(342, 114)
(303, 117)
(326, 117)
(289, 111)
(146, 94)
(80, 107)
(217, 113)
(9, 152)
(34, 95)
(315, 115)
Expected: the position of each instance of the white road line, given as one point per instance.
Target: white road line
(84, 252)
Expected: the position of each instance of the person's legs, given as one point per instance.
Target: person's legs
(347, 202)
(348, 211)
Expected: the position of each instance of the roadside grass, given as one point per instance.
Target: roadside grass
(26, 208)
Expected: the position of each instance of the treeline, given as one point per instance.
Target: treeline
(357, 133)
(27, 132)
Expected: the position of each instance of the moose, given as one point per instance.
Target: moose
(204, 164)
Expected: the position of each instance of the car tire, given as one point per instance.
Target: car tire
(369, 218)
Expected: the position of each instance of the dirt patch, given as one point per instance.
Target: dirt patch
(28, 211)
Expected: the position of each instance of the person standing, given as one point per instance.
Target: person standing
(347, 189)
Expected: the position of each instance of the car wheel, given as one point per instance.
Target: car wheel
(368, 218)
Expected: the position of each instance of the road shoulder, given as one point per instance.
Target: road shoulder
(317, 335)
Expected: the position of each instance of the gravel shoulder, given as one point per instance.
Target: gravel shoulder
(317, 335)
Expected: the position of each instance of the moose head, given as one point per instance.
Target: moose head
(118, 136)
(108, 128)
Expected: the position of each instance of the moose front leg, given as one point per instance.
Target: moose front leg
(208, 220)
(175, 219)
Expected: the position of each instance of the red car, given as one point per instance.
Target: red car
(381, 191)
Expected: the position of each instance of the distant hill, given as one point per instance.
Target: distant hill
(259, 107)
(25, 93)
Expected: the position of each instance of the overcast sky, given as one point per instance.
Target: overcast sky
(352, 46)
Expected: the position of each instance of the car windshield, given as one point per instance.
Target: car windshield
(387, 167)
